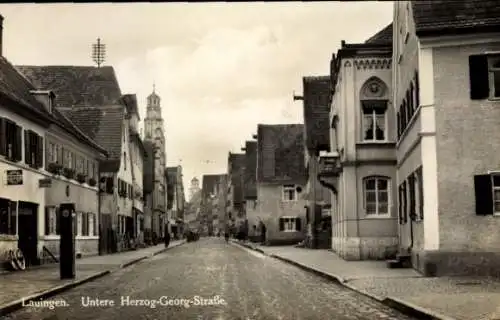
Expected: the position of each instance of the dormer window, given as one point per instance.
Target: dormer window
(45, 97)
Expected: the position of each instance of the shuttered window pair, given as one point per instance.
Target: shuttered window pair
(290, 224)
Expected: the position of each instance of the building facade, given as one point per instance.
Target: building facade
(280, 182)
(235, 207)
(446, 101)
(155, 132)
(45, 160)
(363, 144)
(250, 190)
(209, 213)
(175, 200)
(137, 158)
(316, 104)
(90, 97)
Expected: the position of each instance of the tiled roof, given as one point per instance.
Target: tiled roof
(455, 15)
(384, 36)
(148, 171)
(76, 85)
(250, 188)
(280, 153)
(80, 92)
(106, 127)
(17, 88)
(317, 91)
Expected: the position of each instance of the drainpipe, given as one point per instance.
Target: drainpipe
(99, 213)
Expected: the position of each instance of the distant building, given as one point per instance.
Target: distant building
(281, 180)
(194, 187)
(250, 188)
(235, 207)
(210, 210)
(154, 131)
(175, 200)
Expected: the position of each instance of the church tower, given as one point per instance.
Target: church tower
(154, 131)
(194, 188)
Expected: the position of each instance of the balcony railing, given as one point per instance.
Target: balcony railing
(329, 164)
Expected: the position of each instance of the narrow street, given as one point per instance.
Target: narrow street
(249, 286)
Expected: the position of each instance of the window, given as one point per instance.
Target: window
(53, 153)
(484, 76)
(376, 196)
(85, 223)
(69, 159)
(79, 223)
(487, 194)
(419, 194)
(8, 216)
(10, 140)
(51, 223)
(289, 193)
(374, 120)
(289, 224)
(33, 149)
(91, 227)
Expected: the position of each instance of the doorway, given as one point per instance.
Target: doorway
(28, 232)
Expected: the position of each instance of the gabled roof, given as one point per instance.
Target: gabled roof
(317, 92)
(81, 91)
(106, 127)
(16, 88)
(384, 36)
(455, 16)
(250, 180)
(76, 85)
(280, 153)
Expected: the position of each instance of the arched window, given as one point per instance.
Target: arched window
(374, 98)
(376, 194)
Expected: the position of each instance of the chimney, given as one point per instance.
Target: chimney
(1, 35)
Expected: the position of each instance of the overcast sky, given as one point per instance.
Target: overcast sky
(219, 68)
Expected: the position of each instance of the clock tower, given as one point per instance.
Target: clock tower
(154, 132)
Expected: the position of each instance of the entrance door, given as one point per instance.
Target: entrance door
(28, 232)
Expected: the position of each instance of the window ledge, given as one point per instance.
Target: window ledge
(8, 237)
(378, 216)
(52, 237)
(87, 237)
(497, 214)
(495, 99)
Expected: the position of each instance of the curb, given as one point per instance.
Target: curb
(18, 304)
(13, 306)
(414, 310)
(392, 302)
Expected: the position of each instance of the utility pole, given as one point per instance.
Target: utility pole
(98, 52)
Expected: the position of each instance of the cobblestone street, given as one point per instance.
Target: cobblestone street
(252, 285)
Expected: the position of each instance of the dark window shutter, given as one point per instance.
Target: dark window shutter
(417, 90)
(420, 193)
(411, 187)
(27, 147)
(405, 203)
(298, 224)
(400, 204)
(60, 155)
(39, 152)
(3, 137)
(282, 224)
(109, 185)
(13, 214)
(398, 120)
(47, 221)
(18, 145)
(58, 222)
(48, 154)
(478, 77)
(95, 225)
(484, 195)
(412, 98)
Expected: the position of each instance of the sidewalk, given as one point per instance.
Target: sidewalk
(460, 298)
(44, 281)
